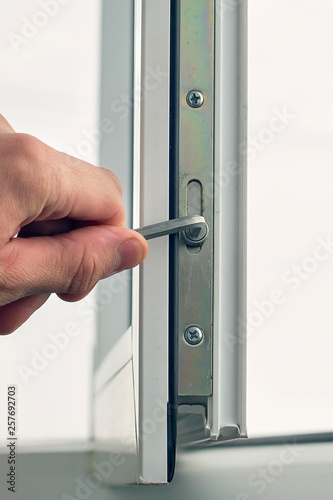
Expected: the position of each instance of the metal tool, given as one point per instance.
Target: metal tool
(176, 226)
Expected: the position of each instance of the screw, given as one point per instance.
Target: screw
(193, 335)
(195, 99)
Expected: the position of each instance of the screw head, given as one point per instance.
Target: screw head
(193, 335)
(195, 98)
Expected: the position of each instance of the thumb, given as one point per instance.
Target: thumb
(69, 263)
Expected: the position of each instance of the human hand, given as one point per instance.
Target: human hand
(69, 219)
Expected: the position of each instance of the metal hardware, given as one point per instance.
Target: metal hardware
(191, 223)
(195, 174)
(196, 236)
(193, 335)
(195, 99)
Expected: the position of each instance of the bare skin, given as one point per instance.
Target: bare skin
(69, 220)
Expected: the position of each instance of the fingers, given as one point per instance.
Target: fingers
(69, 217)
(39, 183)
(70, 263)
(85, 192)
(13, 315)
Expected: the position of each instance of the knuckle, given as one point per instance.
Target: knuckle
(25, 167)
(32, 167)
(9, 278)
(27, 148)
(24, 154)
(86, 274)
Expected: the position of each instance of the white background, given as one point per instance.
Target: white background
(290, 369)
(50, 88)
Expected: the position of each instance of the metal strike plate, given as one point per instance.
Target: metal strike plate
(196, 193)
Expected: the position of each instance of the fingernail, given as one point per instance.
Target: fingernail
(130, 254)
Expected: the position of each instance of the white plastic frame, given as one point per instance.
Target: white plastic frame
(131, 383)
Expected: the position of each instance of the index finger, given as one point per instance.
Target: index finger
(94, 193)
(57, 185)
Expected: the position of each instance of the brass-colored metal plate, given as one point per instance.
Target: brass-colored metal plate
(195, 285)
